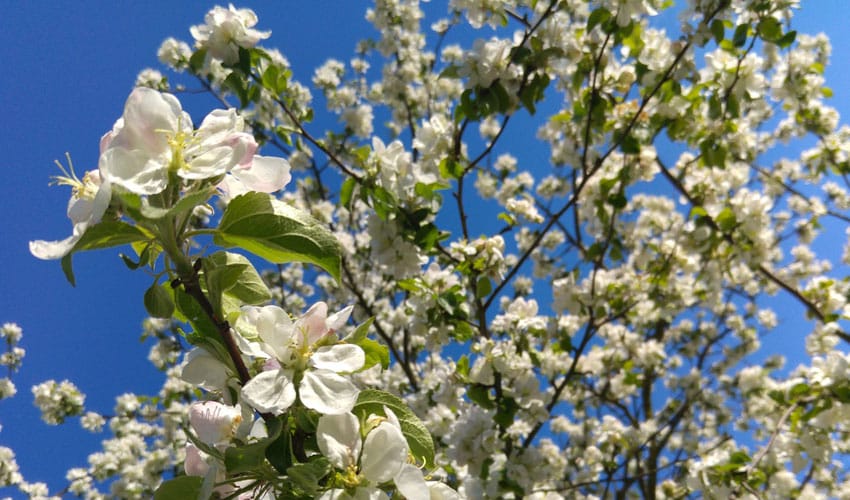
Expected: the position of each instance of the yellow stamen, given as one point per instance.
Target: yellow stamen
(85, 188)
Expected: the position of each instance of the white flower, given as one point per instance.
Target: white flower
(304, 349)
(89, 200)
(380, 457)
(213, 422)
(155, 136)
(174, 53)
(226, 31)
(487, 61)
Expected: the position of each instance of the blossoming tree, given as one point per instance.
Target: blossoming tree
(584, 328)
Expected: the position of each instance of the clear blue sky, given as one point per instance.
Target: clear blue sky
(67, 69)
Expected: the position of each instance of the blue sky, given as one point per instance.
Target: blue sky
(66, 74)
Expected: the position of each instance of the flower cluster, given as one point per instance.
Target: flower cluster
(58, 401)
(581, 324)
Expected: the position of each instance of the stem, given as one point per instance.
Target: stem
(187, 275)
(192, 287)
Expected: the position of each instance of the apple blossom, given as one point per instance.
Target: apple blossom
(155, 136)
(365, 462)
(90, 197)
(582, 324)
(303, 353)
(226, 31)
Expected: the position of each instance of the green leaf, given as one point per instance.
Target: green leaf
(483, 287)
(185, 204)
(617, 200)
(463, 331)
(450, 169)
(630, 145)
(179, 488)
(770, 29)
(598, 16)
(740, 36)
(375, 353)
(480, 395)
(346, 191)
(187, 309)
(105, 234)
(246, 458)
(279, 451)
(158, 302)
(726, 220)
(196, 61)
(250, 457)
(718, 30)
(372, 402)
(360, 332)
(236, 277)
(306, 476)
(799, 390)
(217, 278)
(786, 40)
(108, 234)
(506, 410)
(462, 366)
(278, 232)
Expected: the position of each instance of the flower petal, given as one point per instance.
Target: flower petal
(441, 491)
(51, 250)
(264, 174)
(338, 319)
(384, 452)
(134, 170)
(270, 392)
(205, 370)
(339, 358)
(327, 393)
(214, 422)
(313, 324)
(339, 440)
(194, 464)
(411, 483)
(150, 117)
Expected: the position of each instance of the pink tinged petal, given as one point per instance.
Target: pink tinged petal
(150, 117)
(195, 465)
(339, 440)
(384, 452)
(205, 370)
(265, 174)
(411, 483)
(270, 392)
(106, 139)
(327, 393)
(338, 319)
(339, 358)
(272, 364)
(313, 324)
(214, 422)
